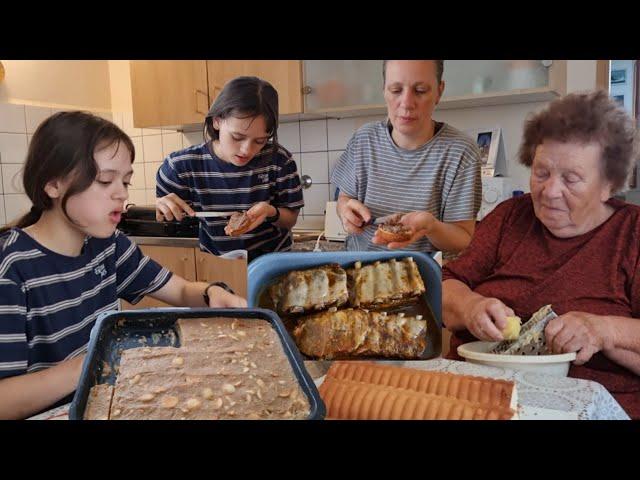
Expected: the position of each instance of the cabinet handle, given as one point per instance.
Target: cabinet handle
(306, 90)
(200, 92)
(546, 63)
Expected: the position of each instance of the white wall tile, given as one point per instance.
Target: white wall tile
(339, 132)
(315, 222)
(127, 125)
(137, 144)
(16, 205)
(171, 142)
(35, 116)
(316, 166)
(313, 136)
(191, 138)
(151, 196)
(105, 115)
(289, 136)
(138, 179)
(13, 147)
(315, 199)
(152, 148)
(150, 170)
(12, 178)
(151, 131)
(334, 156)
(3, 218)
(117, 118)
(138, 197)
(12, 119)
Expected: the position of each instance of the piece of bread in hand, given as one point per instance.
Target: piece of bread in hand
(238, 223)
(394, 231)
(512, 330)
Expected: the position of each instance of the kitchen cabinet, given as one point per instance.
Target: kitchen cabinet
(194, 265)
(350, 87)
(473, 83)
(284, 75)
(342, 85)
(168, 92)
(173, 93)
(233, 272)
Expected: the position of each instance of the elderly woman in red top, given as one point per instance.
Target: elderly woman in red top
(568, 244)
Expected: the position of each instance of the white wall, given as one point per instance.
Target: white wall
(81, 84)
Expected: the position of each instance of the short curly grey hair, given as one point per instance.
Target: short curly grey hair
(587, 117)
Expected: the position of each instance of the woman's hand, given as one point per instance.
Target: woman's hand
(579, 332)
(420, 223)
(220, 298)
(172, 207)
(354, 215)
(486, 317)
(258, 213)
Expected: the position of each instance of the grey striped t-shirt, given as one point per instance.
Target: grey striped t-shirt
(442, 177)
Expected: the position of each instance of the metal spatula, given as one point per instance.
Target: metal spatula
(531, 340)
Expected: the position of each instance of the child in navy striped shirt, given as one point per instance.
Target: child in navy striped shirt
(240, 167)
(65, 263)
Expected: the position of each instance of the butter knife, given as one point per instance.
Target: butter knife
(213, 214)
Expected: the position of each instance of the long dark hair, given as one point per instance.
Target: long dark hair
(63, 147)
(245, 97)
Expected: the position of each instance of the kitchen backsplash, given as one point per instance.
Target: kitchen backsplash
(316, 146)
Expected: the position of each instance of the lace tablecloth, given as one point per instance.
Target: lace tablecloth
(584, 399)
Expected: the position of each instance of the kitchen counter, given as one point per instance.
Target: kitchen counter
(167, 241)
(298, 246)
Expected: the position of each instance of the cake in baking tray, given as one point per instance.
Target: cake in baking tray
(225, 368)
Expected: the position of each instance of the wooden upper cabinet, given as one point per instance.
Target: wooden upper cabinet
(284, 75)
(169, 92)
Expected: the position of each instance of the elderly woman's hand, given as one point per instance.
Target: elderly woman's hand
(486, 317)
(579, 332)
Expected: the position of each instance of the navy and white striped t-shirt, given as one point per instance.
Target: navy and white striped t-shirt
(49, 302)
(198, 176)
(442, 177)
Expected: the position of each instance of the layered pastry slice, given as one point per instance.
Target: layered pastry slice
(303, 291)
(349, 400)
(384, 284)
(353, 332)
(99, 402)
(485, 391)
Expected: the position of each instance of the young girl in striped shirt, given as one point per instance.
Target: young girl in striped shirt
(65, 263)
(239, 167)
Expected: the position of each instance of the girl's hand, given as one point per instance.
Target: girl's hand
(172, 207)
(220, 298)
(258, 213)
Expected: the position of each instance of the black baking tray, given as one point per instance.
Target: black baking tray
(140, 221)
(116, 331)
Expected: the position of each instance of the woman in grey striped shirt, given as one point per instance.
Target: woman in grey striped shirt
(411, 164)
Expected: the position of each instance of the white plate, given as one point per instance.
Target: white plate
(556, 365)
